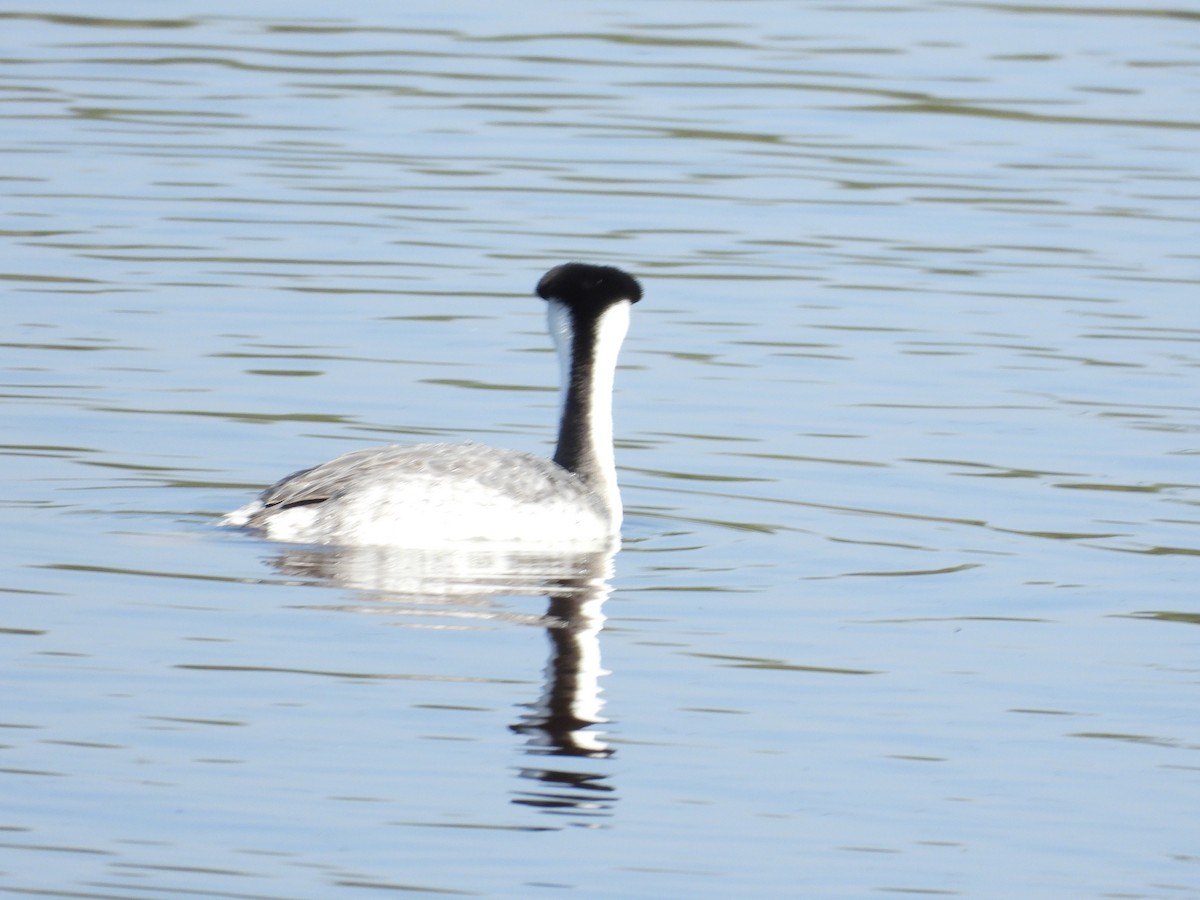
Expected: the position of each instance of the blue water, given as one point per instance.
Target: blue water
(906, 425)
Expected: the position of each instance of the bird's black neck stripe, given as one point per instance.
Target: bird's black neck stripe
(575, 451)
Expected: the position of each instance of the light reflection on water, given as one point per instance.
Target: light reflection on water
(907, 428)
(442, 589)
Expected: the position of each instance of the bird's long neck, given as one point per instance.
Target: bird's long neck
(587, 351)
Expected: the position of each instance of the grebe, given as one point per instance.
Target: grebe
(426, 495)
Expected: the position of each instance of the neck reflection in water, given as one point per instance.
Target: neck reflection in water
(463, 583)
(559, 724)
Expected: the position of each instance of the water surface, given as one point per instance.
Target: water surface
(907, 428)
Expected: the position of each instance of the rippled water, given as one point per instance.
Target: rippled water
(907, 430)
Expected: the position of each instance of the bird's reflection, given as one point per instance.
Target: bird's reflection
(560, 726)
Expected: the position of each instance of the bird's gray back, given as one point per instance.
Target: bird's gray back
(521, 477)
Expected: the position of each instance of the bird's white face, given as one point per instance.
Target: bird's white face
(562, 330)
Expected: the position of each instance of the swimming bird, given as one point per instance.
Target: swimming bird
(424, 495)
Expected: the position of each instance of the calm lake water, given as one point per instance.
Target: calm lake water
(908, 430)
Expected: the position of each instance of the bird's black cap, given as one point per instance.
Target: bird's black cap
(586, 287)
